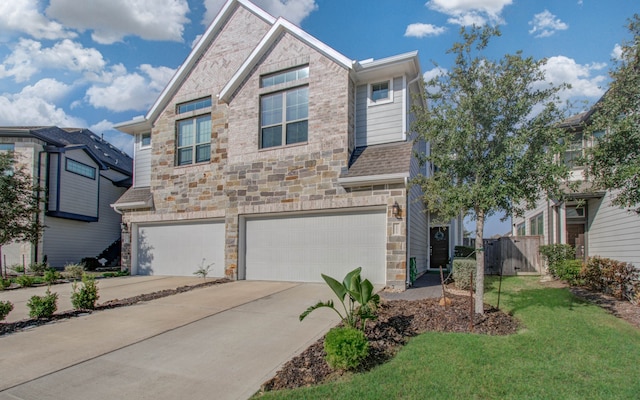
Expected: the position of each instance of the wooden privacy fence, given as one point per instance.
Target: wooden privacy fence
(519, 255)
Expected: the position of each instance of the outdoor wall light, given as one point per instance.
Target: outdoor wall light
(123, 227)
(396, 210)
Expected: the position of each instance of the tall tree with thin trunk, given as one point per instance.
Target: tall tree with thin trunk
(19, 203)
(494, 140)
(613, 163)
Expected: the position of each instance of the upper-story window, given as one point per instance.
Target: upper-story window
(194, 134)
(284, 77)
(284, 114)
(536, 225)
(380, 93)
(145, 140)
(79, 168)
(521, 229)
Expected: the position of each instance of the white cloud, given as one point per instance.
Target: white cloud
(434, 73)
(47, 89)
(616, 53)
(112, 20)
(421, 30)
(292, 10)
(470, 12)
(546, 24)
(23, 16)
(561, 69)
(34, 106)
(29, 57)
(135, 91)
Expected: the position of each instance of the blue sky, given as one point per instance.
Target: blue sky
(96, 63)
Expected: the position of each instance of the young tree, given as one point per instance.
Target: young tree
(614, 162)
(494, 138)
(19, 204)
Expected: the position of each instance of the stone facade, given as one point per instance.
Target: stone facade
(244, 180)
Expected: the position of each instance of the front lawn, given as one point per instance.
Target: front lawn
(567, 349)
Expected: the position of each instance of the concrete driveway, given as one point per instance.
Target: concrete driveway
(218, 342)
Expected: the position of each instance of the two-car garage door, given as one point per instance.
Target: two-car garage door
(284, 248)
(301, 247)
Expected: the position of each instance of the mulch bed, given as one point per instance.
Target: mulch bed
(398, 320)
(10, 327)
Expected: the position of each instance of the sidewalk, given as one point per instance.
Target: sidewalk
(108, 289)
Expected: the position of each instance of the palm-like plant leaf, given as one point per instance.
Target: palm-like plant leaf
(320, 304)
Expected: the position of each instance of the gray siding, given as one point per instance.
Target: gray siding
(613, 232)
(418, 223)
(52, 182)
(142, 165)
(380, 123)
(79, 194)
(68, 241)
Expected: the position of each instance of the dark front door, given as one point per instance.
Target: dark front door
(575, 238)
(439, 239)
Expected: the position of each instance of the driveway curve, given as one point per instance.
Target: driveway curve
(218, 342)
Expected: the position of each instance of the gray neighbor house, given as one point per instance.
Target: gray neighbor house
(271, 156)
(81, 175)
(586, 219)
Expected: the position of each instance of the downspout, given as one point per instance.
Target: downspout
(39, 174)
(407, 233)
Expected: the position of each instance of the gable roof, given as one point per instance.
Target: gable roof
(281, 25)
(402, 64)
(104, 153)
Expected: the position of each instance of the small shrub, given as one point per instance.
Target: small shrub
(51, 275)
(38, 268)
(43, 306)
(203, 270)
(555, 254)
(4, 283)
(465, 252)
(346, 348)
(17, 268)
(569, 271)
(461, 273)
(90, 263)
(5, 309)
(617, 278)
(25, 280)
(86, 296)
(73, 271)
(124, 272)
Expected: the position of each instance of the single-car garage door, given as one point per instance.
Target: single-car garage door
(179, 249)
(301, 247)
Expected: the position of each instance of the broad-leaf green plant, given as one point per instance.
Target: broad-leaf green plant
(86, 296)
(353, 291)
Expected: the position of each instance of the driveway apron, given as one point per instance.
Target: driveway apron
(218, 342)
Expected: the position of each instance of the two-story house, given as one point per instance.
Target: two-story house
(271, 156)
(586, 220)
(81, 175)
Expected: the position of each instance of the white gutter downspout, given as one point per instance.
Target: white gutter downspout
(408, 282)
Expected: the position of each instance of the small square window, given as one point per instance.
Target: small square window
(380, 91)
(145, 140)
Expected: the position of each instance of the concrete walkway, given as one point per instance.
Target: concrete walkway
(218, 342)
(425, 287)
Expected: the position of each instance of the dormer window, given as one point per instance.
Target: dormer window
(380, 93)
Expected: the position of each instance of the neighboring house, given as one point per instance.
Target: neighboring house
(586, 219)
(270, 156)
(81, 175)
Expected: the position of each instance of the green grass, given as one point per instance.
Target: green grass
(567, 349)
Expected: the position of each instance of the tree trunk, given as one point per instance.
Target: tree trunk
(479, 261)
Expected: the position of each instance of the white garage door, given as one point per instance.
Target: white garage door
(300, 248)
(179, 249)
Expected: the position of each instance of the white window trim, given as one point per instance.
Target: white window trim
(142, 146)
(378, 102)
